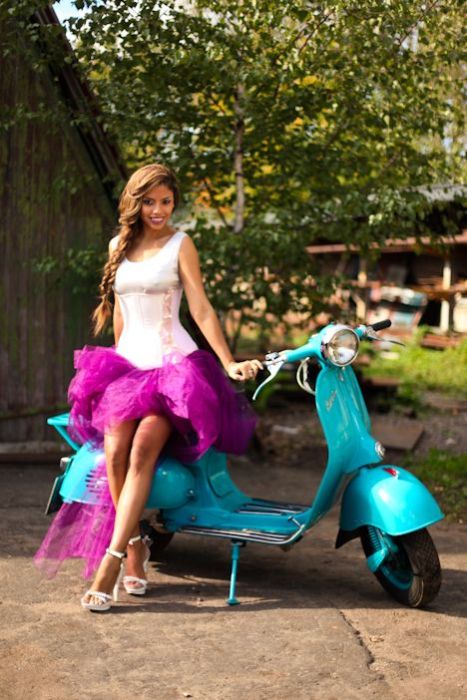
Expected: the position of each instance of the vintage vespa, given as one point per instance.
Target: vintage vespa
(382, 504)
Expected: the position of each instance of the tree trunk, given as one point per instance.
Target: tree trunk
(239, 129)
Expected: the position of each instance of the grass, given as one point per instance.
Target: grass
(422, 369)
(445, 475)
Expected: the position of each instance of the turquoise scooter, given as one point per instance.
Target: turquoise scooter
(382, 504)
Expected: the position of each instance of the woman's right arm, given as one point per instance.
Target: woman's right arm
(117, 314)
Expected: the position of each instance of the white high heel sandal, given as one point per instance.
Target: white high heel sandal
(142, 588)
(105, 597)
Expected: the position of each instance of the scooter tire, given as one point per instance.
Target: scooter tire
(160, 540)
(413, 576)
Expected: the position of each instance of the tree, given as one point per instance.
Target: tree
(286, 122)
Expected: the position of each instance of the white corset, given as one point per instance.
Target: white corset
(149, 292)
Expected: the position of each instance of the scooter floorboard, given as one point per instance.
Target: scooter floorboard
(238, 535)
(262, 506)
(256, 520)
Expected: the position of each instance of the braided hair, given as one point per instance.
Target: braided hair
(129, 230)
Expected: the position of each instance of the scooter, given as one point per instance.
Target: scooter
(384, 505)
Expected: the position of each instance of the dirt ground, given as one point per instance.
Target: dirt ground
(313, 623)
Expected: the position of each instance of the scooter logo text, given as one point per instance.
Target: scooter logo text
(331, 399)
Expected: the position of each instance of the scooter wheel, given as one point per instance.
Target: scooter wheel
(160, 540)
(411, 573)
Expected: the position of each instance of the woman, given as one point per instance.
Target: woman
(153, 391)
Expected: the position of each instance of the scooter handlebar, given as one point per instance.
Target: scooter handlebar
(379, 325)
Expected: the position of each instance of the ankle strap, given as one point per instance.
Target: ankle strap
(132, 540)
(114, 553)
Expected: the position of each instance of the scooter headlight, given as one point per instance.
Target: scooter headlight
(340, 345)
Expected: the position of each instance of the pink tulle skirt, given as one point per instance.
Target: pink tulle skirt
(191, 391)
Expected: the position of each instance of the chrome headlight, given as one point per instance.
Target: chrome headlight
(340, 345)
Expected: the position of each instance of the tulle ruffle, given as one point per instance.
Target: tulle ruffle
(79, 530)
(190, 390)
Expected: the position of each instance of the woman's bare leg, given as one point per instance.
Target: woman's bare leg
(148, 441)
(117, 447)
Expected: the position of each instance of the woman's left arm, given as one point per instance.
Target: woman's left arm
(204, 315)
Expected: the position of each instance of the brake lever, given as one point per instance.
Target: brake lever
(372, 335)
(273, 362)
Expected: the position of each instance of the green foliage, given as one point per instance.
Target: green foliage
(79, 270)
(286, 122)
(336, 100)
(420, 369)
(253, 273)
(445, 474)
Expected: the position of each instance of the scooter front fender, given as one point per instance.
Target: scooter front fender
(389, 498)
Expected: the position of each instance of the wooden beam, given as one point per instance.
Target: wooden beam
(446, 303)
(395, 245)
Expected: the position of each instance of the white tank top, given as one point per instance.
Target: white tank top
(149, 292)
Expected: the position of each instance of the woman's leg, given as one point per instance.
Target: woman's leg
(148, 441)
(117, 446)
(146, 448)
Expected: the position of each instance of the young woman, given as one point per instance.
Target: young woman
(153, 392)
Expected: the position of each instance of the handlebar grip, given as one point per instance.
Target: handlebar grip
(379, 325)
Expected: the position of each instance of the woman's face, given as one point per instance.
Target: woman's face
(157, 207)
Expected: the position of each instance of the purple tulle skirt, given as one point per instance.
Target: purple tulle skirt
(191, 391)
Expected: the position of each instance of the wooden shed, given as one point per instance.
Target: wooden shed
(59, 181)
(414, 280)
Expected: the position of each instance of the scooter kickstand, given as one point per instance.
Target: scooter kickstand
(232, 600)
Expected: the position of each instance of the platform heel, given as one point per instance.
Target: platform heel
(143, 582)
(106, 598)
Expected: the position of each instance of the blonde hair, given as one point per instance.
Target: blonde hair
(129, 229)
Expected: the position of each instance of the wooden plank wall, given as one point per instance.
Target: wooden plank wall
(41, 322)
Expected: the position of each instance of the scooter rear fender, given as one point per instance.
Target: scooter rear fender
(388, 498)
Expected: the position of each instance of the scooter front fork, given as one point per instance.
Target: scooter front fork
(232, 600)
(383, 547)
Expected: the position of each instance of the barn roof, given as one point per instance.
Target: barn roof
(82, 101)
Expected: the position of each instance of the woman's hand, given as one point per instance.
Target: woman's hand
(241, 371)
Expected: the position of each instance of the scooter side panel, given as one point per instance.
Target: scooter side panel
(217, 501)
(396, 505)
(215, 495)
(187, 490)
(75, 483)
(172, 486)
